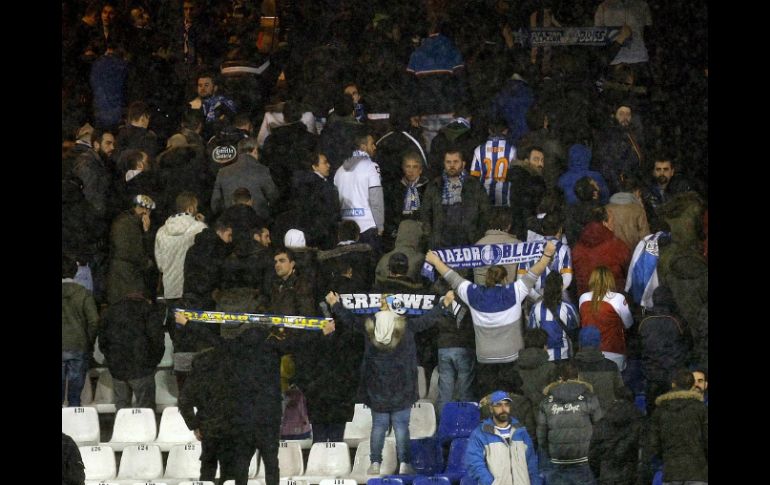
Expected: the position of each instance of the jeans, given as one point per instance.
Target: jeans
(455, 375)
(74, 367)
(143, 387)
(380, 424)
(578, 474)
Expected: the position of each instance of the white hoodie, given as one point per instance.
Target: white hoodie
(173, 240)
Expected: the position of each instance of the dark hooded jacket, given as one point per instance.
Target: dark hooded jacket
(602, 373)
(598, 246)
(679, 436)
(389, 371)
(531, 373)
(79, 317)
(285, 152)
(527, 190)
(564, 435)
(614, 452)
(394, 195)
(579, 160)
(181, 169)
(130, 256)
(81, 228)
(361, 257)
(131, 337)
(664, 338)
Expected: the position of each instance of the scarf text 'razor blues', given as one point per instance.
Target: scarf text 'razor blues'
(486, 255)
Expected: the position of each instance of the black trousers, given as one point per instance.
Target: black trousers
(233, 454)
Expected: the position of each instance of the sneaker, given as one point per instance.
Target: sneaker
(374, 469)
(406, 469)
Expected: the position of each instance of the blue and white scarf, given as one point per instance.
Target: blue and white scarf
(411, 197)
(452, 192)
(486, 255)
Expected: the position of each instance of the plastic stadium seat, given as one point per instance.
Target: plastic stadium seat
(133, 426)
(422, 421)
(360, 428)
(173, 430)
(101, 482)
(438, 480)
(657, 479)
(166, 390)
(81, 424)
(422, 386)
(140, 462)
(252, 466)
(640, 400)
(326, 460)
(385, 481)
(458, 420)
(104, 396)
(432, 394)
(361, 461)
(427, 456)
(290, 461)
(197, 482)
(150, 482)
(469, 480)
(99, 462)
(338, 481)
(98, 355)
(184, 462)
(167, 361)
(455, 466)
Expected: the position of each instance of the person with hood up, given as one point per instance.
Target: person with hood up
(579, 159)
(360, 190)
(596, 369)
(389, 371)
(500, 449)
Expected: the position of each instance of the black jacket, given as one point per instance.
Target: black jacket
(316, 203)
(601, 373)
(73, 471)
(527, 190)
(614, 452)
(474, 208)
(131, 337)
(203, 269)
(679, 435)
(285, 152)
(531, 373)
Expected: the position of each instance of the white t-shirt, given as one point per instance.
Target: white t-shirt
(353, 187)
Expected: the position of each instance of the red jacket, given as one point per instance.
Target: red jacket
(598, 246)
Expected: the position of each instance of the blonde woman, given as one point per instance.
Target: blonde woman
(607, 310)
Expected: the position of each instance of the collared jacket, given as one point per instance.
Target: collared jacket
(474, 207)
(565, 421)
(491, 459)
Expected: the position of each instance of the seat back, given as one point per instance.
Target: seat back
(81, 424)
(184, 461)
(422, 420)
(433, 387)
(99, 462)
(422, 385)
(427, 456)
(141, 462)
(456, 459)
(290, 460)
(458, 420)
(134, 425)
(329, 459)
(431, 481)
(173, 428)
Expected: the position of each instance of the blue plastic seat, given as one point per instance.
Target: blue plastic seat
(658, 478)
(468, 480)
(641, 403)
(455, 466)
(437, 480)
(458, 420)
(427, 456)
(385, 481)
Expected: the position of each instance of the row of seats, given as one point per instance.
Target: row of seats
(327, 461)
(167, 392)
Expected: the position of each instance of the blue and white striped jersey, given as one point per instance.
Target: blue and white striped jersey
(490, 164)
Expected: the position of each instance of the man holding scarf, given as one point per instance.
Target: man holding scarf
(455, 208)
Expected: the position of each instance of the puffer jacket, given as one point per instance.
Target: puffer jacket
(490, 459)
(566, 419)
(172, 241)
(79, 318)
(679, 435)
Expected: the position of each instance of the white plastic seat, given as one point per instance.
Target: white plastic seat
(252, 467)
(101, 482)
(99, 462)
(98, 355)
(104, 396)
(197, 482)
(360, 428)
(166, 390)
(422, 387)
(133, 426)
(422, 420)
(290, 461)
(184, 462)
(167, 361)
(81, 424)
(140, 463)
(261, 481)
(173, 430)
(150, 482)
(326, 460)
(362, 461)
(338, 481)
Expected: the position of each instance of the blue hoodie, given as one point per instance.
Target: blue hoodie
(579, 161)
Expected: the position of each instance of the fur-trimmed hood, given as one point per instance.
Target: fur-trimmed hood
(570, 383)
(675, 395)
(397, 332)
